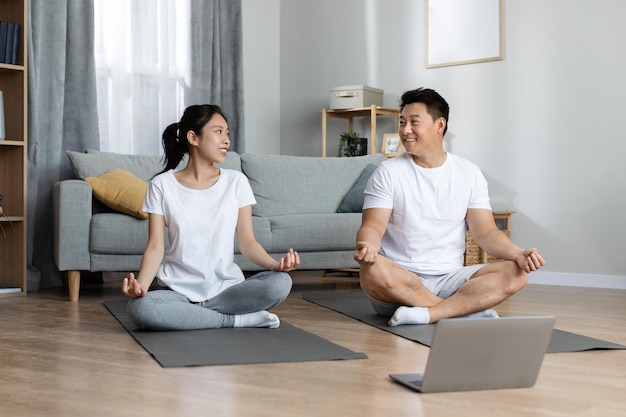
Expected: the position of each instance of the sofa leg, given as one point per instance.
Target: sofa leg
(73, 284)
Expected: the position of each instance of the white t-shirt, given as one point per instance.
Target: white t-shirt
(201, 227)
(426, 231)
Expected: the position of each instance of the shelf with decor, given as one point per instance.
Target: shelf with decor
(373, 112)
(13, 153)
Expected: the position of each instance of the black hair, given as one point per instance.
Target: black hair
(175, 144)
(436, 105)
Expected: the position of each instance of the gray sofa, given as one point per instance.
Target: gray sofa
(298, 199)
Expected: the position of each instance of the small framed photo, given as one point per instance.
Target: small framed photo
(392, 146)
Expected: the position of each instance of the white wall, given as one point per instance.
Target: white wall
(261, 75)
(544, 124)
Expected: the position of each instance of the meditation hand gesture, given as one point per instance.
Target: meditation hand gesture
(530, 260)
(132, 288)
(364, 253)
(287, 263)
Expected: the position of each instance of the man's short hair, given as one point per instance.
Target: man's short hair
(436, 105)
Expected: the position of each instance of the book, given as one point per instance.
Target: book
(16, 43)
(4, 28)
(2, 129)
(8, 50)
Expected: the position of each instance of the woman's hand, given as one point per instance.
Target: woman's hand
(287, 263)
(132, 288)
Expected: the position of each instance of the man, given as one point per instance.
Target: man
(412, 237)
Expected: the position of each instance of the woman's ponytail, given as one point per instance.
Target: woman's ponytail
(174, 147)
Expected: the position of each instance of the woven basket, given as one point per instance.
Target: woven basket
(474, 254)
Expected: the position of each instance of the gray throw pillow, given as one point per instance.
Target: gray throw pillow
(353, 201)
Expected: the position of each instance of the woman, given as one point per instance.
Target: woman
(199, 285)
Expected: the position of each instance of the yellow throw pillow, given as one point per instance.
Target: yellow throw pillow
(121, 191)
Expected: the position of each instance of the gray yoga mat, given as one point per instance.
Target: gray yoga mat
(231, 346)
(355, 304)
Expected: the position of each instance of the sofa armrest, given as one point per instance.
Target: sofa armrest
(72, 211)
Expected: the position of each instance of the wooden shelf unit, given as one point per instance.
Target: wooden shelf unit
(13, 158)
(349, 114)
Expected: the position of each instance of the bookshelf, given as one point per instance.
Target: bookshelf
(13, 157)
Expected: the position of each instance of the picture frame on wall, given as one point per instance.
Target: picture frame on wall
(392, 145)
(463, 32)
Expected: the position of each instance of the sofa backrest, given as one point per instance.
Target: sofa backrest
(233, 161)
(282, 184)
(94, 163)
(285, 184)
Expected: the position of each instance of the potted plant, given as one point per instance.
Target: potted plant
(3, 217)
(352, 144)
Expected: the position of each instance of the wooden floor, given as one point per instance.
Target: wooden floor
(73, 359)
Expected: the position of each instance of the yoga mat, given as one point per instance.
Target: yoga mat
(232, 346)
(355, 304)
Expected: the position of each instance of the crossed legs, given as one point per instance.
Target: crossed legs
(242, 305)
(488, 286)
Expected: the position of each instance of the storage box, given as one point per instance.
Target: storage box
(355, 96)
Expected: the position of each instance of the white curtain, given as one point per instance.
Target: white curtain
(142, 71)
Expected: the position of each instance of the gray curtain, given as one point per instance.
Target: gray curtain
(63, 115)
(217, 61)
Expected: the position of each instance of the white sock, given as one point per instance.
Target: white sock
(420, 315)
(485, 313)
(257, 319)
(410, 315)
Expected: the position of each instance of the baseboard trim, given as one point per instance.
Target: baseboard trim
(578, 280)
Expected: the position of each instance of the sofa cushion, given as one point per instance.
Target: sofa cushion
(116, 233)
(93, 163)
(262, 233)
(285, 184)
(353, 201)
(313, 232)
(120, 190)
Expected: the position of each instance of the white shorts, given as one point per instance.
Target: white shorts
(441, 285)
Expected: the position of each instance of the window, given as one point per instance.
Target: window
(142, 71)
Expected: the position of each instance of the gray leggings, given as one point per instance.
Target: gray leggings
(169, 310)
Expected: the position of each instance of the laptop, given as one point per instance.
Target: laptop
(483, 353)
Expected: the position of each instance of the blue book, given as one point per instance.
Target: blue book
(16, 43)
(8, 50)
(4, 28)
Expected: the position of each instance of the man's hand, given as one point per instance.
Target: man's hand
(364, 253)
(287, 263)
(530, 260)
(132, 288)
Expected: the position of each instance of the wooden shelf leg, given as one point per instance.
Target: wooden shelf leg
(373, 130)
(324, 132)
